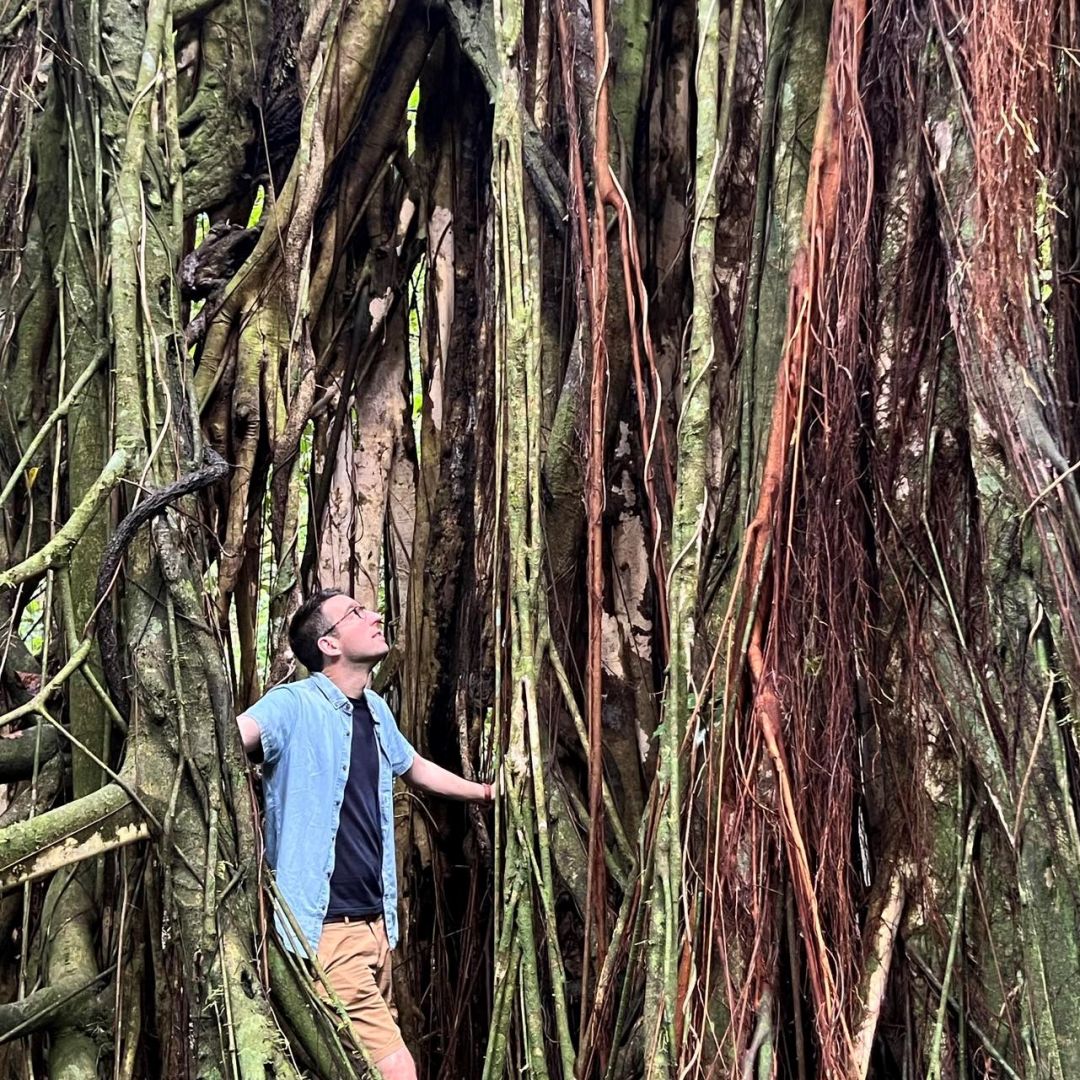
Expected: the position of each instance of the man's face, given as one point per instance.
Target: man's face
(355, 632)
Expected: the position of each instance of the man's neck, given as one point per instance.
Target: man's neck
(351, 680)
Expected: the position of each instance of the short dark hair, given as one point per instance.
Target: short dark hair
(307, 626)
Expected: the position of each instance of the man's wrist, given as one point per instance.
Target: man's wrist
(488, 793)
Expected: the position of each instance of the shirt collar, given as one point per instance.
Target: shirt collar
(336, 697)
(331, 692)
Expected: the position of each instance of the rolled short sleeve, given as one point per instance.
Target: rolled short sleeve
(275, 713)
(398, 748)
(401, 761)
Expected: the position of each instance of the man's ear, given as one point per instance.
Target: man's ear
(329, 646)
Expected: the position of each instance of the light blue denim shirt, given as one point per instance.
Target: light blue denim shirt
(306, 731)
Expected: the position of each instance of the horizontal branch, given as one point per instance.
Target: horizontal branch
(58, 549)
(17, 755)
(8, 29)
(75, 998)
(38, 701)
(96, 823)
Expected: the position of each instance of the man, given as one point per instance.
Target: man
(331, 750)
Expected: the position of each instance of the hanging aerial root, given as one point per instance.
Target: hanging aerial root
(596, 879)
(1010, 60)
(472, 30)
(767, 712)
(807, 308)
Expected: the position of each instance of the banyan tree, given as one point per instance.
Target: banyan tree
(692, 384)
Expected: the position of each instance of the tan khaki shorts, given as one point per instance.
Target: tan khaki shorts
(356, 958)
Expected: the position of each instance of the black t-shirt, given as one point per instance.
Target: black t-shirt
(356, 885)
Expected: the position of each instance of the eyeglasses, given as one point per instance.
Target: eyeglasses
(357, 610)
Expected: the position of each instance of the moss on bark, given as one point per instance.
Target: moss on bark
(99, 822)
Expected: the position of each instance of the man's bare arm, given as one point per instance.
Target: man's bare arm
(249, 733)
(427, 776)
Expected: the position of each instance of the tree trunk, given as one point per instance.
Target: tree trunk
(692, 386)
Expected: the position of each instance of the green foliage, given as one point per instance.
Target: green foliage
(257, 208)
(410, 119)
(417, 294)
(32, 622)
